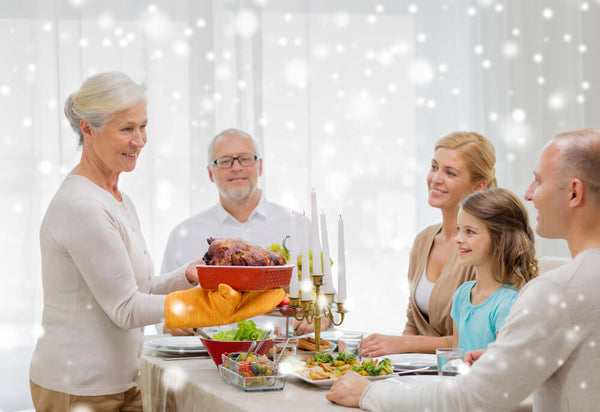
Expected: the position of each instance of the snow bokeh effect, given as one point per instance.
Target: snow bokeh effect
(347, 98)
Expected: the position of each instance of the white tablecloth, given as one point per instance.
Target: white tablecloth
(195, 385)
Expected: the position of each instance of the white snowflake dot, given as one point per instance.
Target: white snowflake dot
(413, 8)
(88, 306)
(516, 32)
(538, 58)
(499, 7)
(592, 344)
(567, 38)
(585, 7)
(201, 23)
(478, 49)
(582, 48)
(583, 385)
(5, 90)
(486, 64)
(455, 91)
(541, 80)
(548, 13)
(471, 11)
(540, 361)
(493, 116)
(580, 297)
(519, 115)
(505, 394)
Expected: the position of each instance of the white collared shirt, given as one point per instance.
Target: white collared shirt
(268, 223)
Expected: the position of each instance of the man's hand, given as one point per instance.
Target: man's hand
(348, 389)
(472, 356)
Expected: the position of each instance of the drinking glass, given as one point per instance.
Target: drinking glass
(284, 346)
(351, 345)
(449, 360)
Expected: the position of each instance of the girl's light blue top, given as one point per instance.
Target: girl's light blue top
(478, 325)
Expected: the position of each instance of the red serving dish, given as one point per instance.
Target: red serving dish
(245, 278)
(216, 348)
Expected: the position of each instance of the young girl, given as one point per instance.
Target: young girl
(495, 238)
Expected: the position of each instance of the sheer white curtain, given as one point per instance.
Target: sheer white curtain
(346, 96)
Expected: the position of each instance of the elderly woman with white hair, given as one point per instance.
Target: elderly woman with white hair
(99, 291)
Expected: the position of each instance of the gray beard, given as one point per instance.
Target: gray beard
(238, 196)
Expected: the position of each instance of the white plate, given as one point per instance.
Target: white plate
(412, 360)
(176, 345)
(336, 335)
(408, 379)
(329, 382)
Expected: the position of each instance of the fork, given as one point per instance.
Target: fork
(409, 371)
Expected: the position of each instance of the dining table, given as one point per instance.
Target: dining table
(194, 384)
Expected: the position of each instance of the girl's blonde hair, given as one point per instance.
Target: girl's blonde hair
(478, 153)
(512, 248)
(101, 96)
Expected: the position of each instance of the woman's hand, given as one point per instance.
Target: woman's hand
(302, 327)
(181, 332)
(348, 389)
(472, 356)
(191, 273)
(379, 345)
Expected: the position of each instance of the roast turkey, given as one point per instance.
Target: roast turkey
(236, 252)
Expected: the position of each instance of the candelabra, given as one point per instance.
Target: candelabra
(314, 309)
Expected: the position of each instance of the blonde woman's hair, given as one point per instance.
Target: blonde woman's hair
(512, 248)
(99, 97)
(477, 152)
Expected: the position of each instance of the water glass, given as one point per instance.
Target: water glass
(449, 360)
(286, 347)
(351, 345)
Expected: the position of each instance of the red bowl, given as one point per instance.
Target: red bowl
(245, 278)
(216, 348)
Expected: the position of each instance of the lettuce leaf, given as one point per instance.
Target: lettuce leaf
(246, 330)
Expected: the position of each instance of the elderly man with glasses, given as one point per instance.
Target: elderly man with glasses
(234, 165)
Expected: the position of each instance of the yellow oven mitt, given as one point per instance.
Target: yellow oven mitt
(197, 308)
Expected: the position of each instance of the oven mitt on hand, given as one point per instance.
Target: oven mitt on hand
(197, 307)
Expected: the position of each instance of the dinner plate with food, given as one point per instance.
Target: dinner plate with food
(307, 347)
(323, 369)
(407, 361)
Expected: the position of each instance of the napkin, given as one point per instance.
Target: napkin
(197, 307)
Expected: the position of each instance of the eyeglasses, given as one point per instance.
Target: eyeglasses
(226, 162)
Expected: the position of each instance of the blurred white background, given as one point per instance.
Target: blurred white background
(345, 96)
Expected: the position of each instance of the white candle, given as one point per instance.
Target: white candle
(326, 257)
(306, 283)
(294, 285)
(341, 262)
(316, 247)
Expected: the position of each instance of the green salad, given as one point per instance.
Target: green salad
(246, 330)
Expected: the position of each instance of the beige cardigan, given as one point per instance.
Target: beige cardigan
(440, 302)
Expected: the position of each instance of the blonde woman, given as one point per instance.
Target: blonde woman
(462, 163)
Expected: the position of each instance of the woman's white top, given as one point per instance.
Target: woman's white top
(99, 292)
(423, 293)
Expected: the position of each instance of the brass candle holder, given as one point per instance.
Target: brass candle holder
(313, 309)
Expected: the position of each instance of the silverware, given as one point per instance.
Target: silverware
(187, 357)
(409, 371)
(250, 349)
(282, 350)
(265, 335)
(200, 332)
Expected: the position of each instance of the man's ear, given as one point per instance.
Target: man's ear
(210, 174)
(576, 192)
(260, 167)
